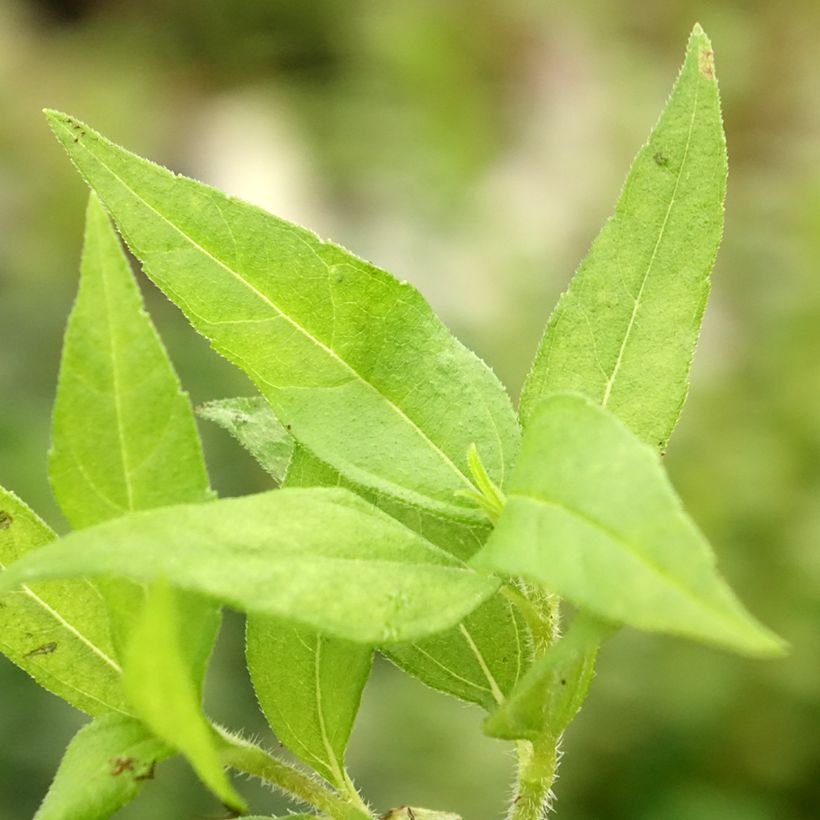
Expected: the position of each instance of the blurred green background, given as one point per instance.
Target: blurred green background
(472, 147)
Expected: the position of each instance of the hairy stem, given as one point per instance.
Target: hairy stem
(246, 757)
(537, 767)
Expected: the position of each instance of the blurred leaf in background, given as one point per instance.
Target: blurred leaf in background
(472, 148)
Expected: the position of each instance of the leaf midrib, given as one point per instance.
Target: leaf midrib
(661, 234)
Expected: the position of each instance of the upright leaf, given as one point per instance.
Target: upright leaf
(56, 631)
(124, 436)
(592, 516)
(309, 687)
(357, 364)
(625, 331)
(322, 557)
(252, 423)
(165, 697)
(104, 767)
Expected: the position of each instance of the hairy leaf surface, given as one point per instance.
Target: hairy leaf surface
(349, 357)
(103, 768)
(309, 687)
(124, 437)
(56, 631)
(625, 331)
(323, 557)
(163, 694)
(592, 516)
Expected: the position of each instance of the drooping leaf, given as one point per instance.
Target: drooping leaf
(124, 437)
(357, 364)
(253, 424)
(480, 659)
(625, 331)
(592, 516)
(56, 631)
(103, 768)
(159, 687)
(322, 557)
(309, 687)
(549, 696)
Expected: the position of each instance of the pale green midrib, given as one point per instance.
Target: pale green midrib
(495, 690)
(449, 671)
(637, 300)
(671, 580)
(116, 380)
(332, 762)
(329, 351)
(67, 625)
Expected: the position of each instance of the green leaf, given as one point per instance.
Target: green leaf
(56, 631)
(309, 687)
(625, 331)
(592, 516)
(124, 437)
(104, 767)
(323, 557)
(549, 696)
(253, 424)
(480, 659)
(163, 694)
(358, 365)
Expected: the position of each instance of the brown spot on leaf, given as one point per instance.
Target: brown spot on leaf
(661, 158)
(706, 63)
(6, 520)
(121, 764)
(147, 773)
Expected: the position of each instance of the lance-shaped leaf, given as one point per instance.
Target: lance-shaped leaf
(103, 768)
(309, 687)
(356, 362)
(164, 696)
(322, 557)
(549, 696)
(253, 424)
(592, 516)
(55, 631)
(124, 436)
(625, 331)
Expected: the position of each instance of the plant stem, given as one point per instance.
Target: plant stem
(246, 757)
(537, 767)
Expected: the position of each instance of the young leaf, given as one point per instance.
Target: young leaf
(124, 437)
(253, 424)
(163, 695)
(309, 687)
(549, 696)
(55, 631)
(103, 768)
(357, 364)
(322, 557)
(592, 516)
(480, 659)
(625, 331)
